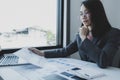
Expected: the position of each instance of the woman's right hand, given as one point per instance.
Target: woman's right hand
(83, 32)
(0, 48)
(36, 51)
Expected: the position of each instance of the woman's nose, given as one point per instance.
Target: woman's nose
(84, 15)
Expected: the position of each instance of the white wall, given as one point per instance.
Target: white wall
(112, 9)
(74, 22)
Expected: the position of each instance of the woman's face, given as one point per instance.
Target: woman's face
(85, 16)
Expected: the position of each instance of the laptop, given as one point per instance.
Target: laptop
(20, 68)
(11, 60)
(1, 78)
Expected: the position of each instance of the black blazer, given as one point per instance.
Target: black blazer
(99, 50)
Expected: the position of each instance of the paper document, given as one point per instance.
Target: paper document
(30, 57)
(10, 74)
(86, 73)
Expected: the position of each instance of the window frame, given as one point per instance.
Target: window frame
(60, 31)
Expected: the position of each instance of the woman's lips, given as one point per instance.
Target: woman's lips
(85, 21)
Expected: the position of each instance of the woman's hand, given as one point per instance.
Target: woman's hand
(36, 51)
(83, 32)
(0, 48)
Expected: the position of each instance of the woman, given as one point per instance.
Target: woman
(96, 41)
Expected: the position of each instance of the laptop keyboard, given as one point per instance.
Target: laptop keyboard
(8, 60)
(1, 78)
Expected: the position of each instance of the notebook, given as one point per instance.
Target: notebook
(11, 60)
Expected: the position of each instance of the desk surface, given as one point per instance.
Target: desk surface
(54, 66)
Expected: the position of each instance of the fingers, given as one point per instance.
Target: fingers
(85, 26)
(34, 50)
(0, 48)
(89, 27)
(31, 49)
(84, 31)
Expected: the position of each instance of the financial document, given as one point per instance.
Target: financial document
(51, 68)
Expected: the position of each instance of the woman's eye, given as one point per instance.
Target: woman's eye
(87, 12)
(81, 14)
(84, 13)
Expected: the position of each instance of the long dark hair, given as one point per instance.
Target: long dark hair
(99, 19)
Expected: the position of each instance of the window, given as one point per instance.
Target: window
(31, 23)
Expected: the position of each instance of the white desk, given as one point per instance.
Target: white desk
(54, 66)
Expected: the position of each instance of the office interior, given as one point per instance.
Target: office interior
(72, 22)
(72, 18)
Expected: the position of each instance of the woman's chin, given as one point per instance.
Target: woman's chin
(86, 24)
